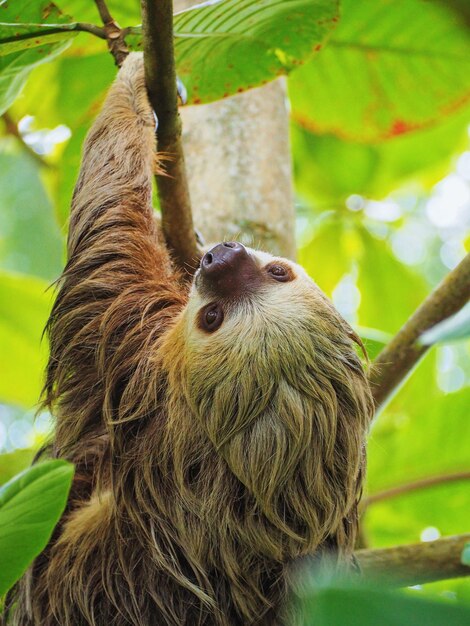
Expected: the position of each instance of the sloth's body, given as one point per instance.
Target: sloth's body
(218, 434)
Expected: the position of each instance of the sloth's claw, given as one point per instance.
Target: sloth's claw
(181, 89)
(182, 95)
(199, 238)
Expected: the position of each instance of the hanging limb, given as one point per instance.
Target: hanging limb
(402, 353)
(415, 564)
(172, 186)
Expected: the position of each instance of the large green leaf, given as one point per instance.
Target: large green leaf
(391, 67)
(16, 67)
(21, 49)
(18, 37)
(229, 46)
(28, 24)
(30, 506)
(24, 308)
(329, 168)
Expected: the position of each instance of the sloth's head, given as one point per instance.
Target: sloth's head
(270, 370)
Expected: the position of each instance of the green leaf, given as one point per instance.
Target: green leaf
(30, 506)
(12, 463)
(465, 558)
(223, 48)
(16, 67)
(27, 24)
(454, 328)
(30, 11)
(329, 168)
(390, 68)
(17, 37)
(24, 308)
(19, 55)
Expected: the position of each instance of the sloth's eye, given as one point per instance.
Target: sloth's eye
(211, 317)
(279, 273)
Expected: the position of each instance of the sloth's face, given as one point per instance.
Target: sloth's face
(254, 322)
(237, 289)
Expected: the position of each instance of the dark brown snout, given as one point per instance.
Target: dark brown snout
(228, 270)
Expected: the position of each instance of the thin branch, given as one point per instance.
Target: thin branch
(44, 30)
(415, 564)
(160, 75)
(11, 128)
(423, 483)
(103, 10)
(114, 34)
(402, 353)
(91, 28)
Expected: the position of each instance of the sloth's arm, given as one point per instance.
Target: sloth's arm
(118, 289)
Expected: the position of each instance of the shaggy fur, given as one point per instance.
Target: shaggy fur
(206, 462)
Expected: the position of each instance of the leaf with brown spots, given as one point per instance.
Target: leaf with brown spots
(224, 48)
(391, 68)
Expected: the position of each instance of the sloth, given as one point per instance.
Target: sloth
(217, 429)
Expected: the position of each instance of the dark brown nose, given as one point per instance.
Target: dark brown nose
(222, 258)
(227, 269)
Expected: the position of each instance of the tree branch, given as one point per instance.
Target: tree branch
(11, 128)
(160, 75)
(415, 564)
(423, 483)
(114, 34)
(90, 28)
(47, 29)
(103, 10)
(402, 353)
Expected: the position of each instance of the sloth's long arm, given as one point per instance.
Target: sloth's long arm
(118, 287)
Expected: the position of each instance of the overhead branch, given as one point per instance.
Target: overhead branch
(172, 186)
(417, 485)
(115, 35)
(402, 353)
(11, 128)
(415, 564)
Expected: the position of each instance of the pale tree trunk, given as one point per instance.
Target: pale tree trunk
(238, 164)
